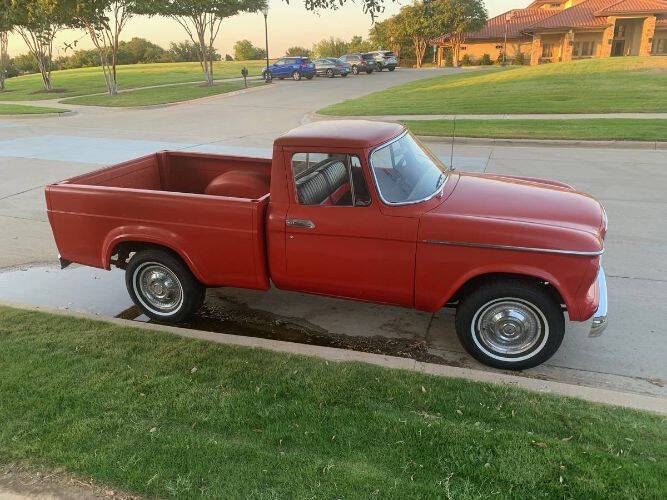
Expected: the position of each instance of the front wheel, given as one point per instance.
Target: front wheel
(355, 70)
(162, 286)
(391, 68)
(268, 76)
(379, 66)
(510, 324)
(296, 76)
(330, 73)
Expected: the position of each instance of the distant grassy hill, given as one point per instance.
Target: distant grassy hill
(621, 84)
(82, 81)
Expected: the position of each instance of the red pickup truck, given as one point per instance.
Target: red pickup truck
(352, 209)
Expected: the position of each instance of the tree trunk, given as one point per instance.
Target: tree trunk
(4, 57)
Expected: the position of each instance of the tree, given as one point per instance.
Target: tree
(38, 22)
(358, 44)
(104, 21)
(460, 17)
(297, 51)
(188, 51)
(417, 22)
(244, 50)
(5, 28)
(331, 47)
(201, 20)
(388, 34)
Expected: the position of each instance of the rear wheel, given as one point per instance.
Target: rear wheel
(355, 70)
(379, 66)
(330, 73)
(162, 286)
(510, 324)
(391, 68)
(296, 76)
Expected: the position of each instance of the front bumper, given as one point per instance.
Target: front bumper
(600, 317)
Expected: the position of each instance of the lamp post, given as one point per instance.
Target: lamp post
(508, 16)
(265, 11)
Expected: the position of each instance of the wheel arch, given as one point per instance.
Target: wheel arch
(134, 241)
(470, 283)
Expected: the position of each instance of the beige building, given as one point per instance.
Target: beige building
(549, 31)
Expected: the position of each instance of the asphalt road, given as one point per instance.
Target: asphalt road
(629, 356)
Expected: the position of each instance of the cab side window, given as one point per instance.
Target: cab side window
(329, 179)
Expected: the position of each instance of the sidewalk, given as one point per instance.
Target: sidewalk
(551, 116)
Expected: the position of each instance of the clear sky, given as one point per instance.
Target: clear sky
(289, 25)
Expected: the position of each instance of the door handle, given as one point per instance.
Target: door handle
(302, 223)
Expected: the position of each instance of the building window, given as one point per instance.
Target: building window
(583, 49)
(619, 31)
(547, 49)
(659, 46)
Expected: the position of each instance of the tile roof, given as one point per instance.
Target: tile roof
(494, 28)
(634, 7)
(579, 16)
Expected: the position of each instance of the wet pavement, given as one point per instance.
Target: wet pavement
(311, 319)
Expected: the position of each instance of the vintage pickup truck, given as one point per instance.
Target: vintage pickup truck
(351, 209)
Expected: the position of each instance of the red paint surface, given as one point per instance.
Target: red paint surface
(375, 253)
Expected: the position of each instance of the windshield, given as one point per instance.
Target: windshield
(406, 172)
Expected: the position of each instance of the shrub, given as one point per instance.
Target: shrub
(486, 60)
(448, 57)
(228, 57)
(466, 60)
(518, 59)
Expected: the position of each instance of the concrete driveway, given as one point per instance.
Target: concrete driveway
(631, 183)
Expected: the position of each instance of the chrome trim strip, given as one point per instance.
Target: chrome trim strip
(600, 317)
(519, 249)
(377, 185)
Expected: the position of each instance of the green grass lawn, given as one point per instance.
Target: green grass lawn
(600, 129)
(165, 416)
(19, 109)
(159, 95)
(619, 84)
(81, 81)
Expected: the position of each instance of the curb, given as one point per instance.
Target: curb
(485, 141)
(595, 395)
(554, 143)
(64, 113)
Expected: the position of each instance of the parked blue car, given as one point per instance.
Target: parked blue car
(290, 67)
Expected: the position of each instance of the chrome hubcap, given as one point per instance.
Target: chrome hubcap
(159, 288)
(509, 326)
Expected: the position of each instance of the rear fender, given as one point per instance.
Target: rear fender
(146, 234)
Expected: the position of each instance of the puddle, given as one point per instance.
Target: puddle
(81, 289)
(96, 291)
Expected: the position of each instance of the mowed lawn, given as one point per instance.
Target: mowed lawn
(164, 416)
(619, 84)
(159, 95)
(20, 109)
(609, 129)
(82, 81)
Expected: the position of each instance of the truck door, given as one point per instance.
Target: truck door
(338, 242)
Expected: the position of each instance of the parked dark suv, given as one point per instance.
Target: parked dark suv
(384, 59)
(360, 62)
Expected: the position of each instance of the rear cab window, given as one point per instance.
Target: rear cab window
(329, 179)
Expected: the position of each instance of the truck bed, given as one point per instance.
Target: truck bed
(209, 209)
